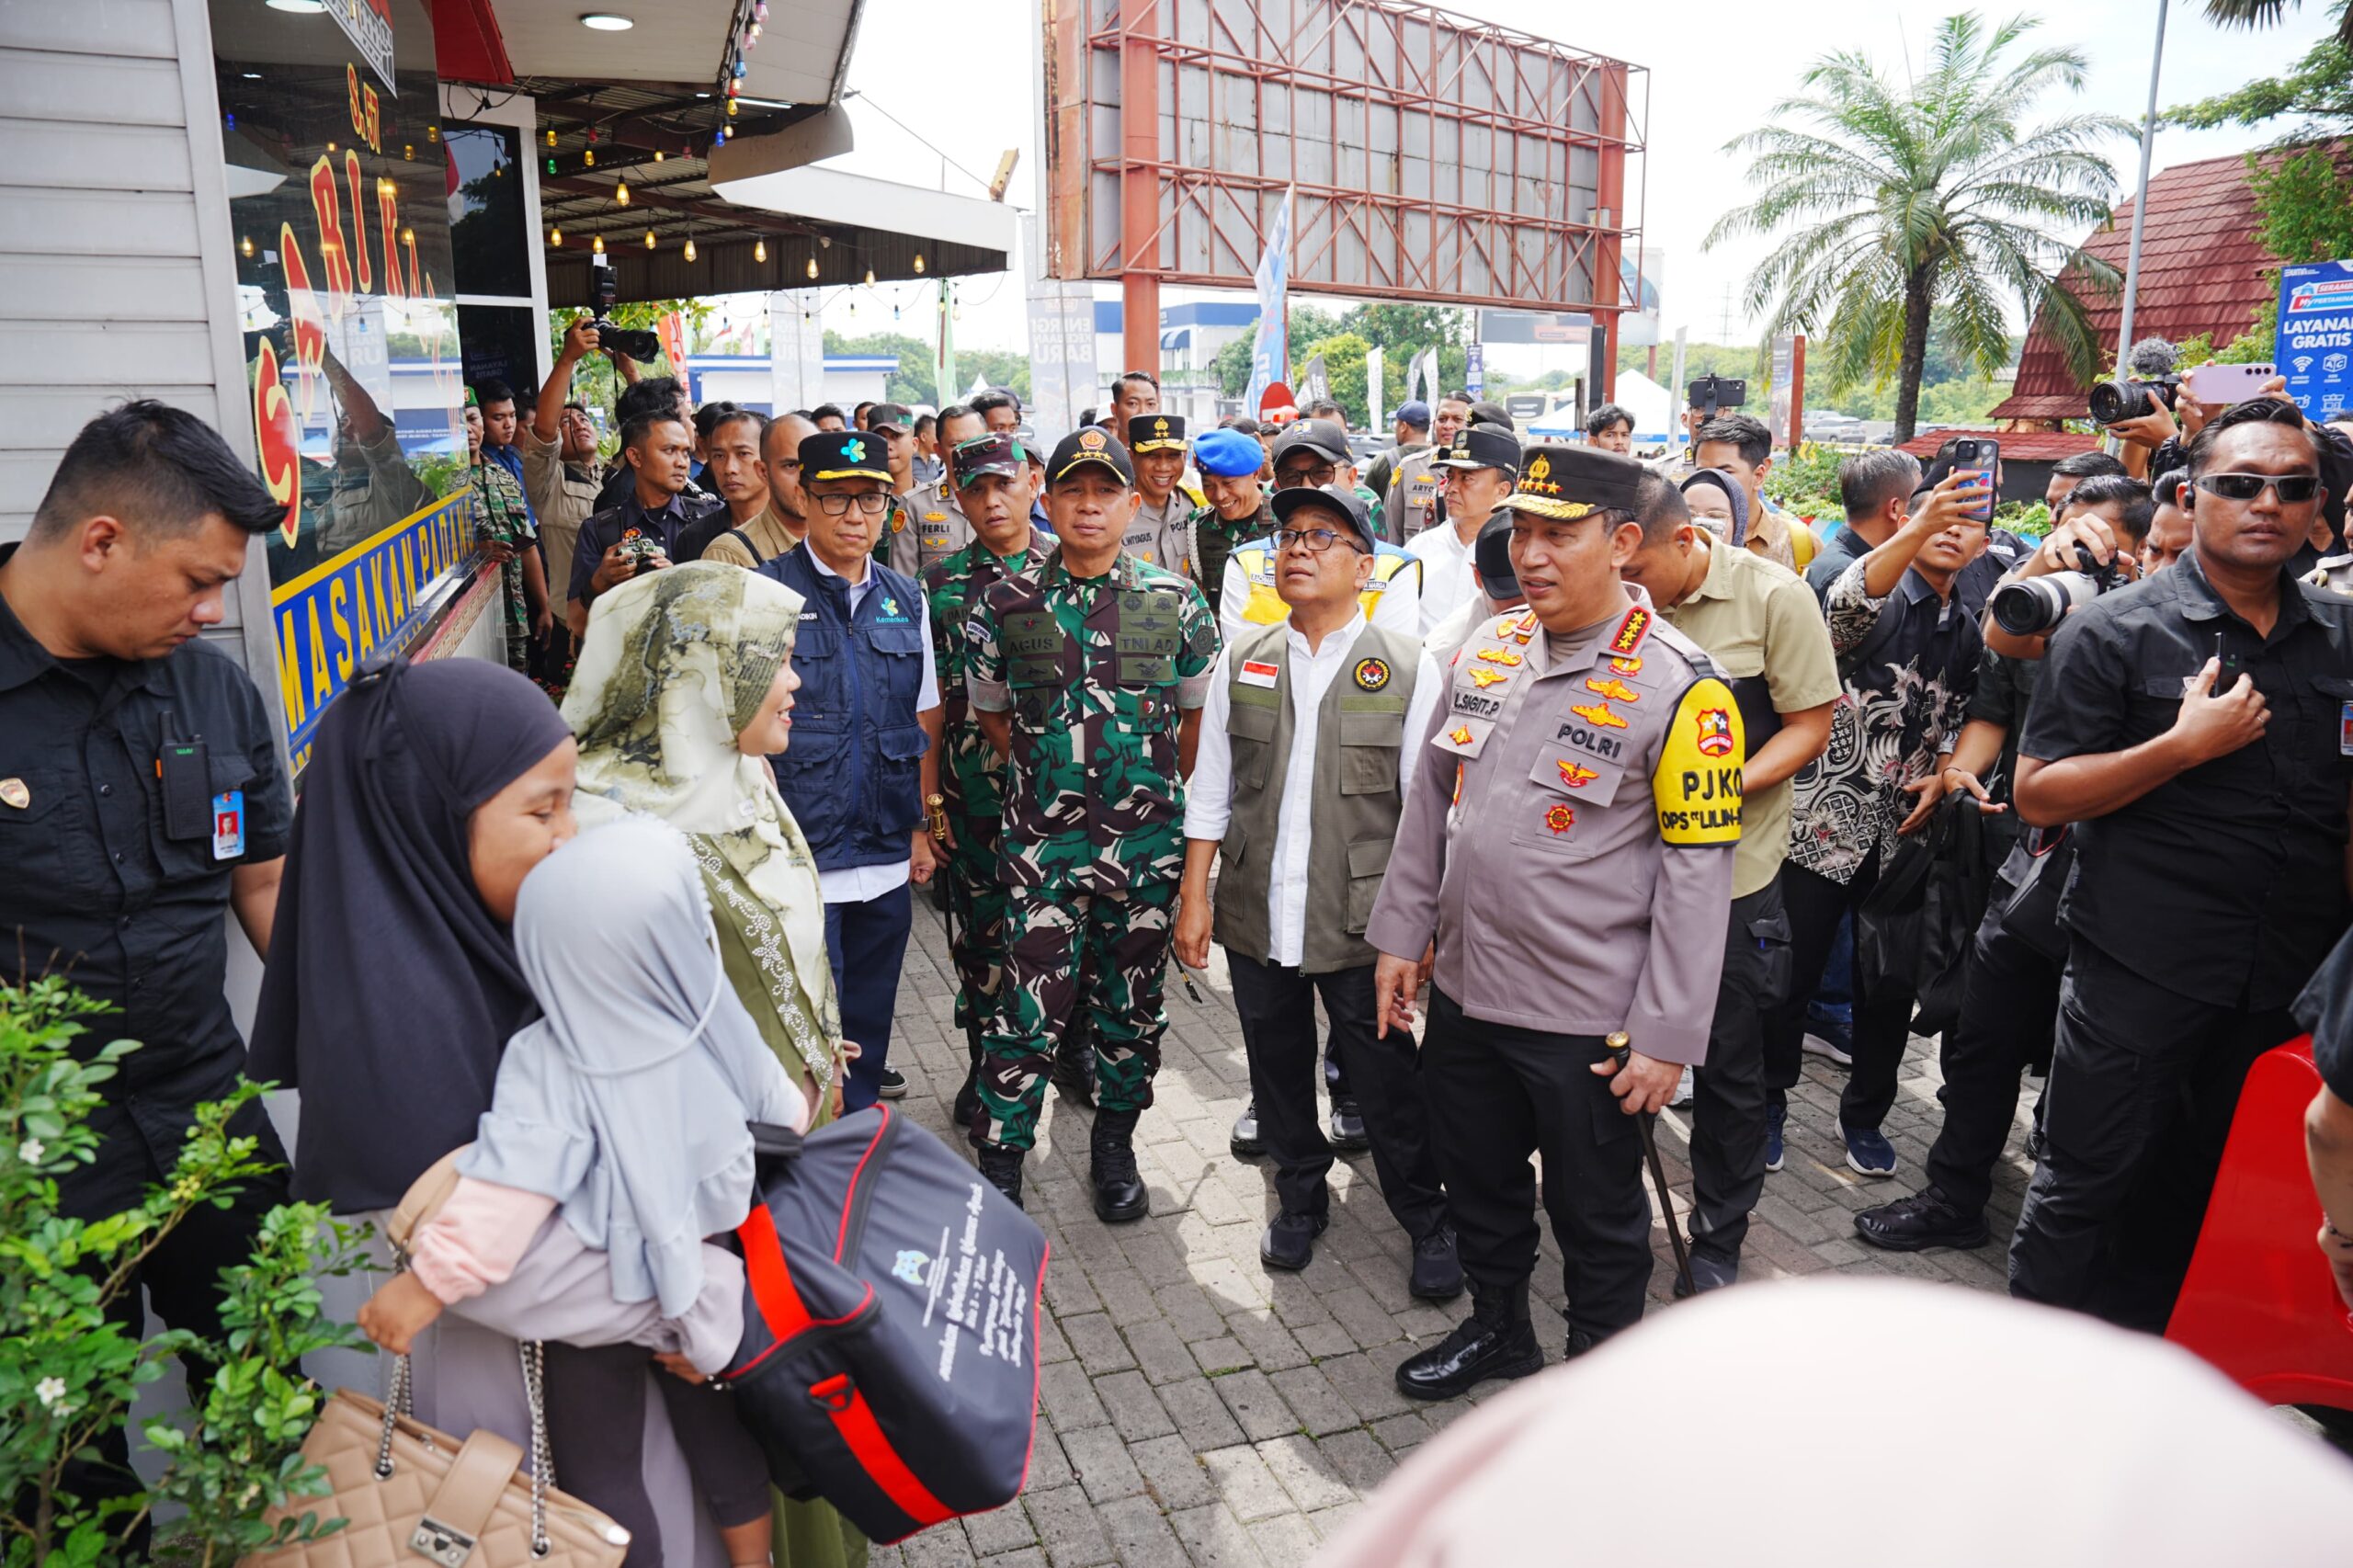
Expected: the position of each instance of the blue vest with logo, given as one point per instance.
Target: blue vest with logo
(851, 774)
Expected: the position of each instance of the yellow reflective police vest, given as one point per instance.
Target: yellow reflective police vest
(1264, 607)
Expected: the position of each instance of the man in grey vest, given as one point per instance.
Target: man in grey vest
(1298, 784)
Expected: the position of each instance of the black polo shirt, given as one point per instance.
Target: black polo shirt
(92, 887)
(609, 527)
(2227, 883)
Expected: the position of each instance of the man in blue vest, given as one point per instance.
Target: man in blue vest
(866, 730)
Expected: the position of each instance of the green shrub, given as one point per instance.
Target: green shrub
(69, 1372)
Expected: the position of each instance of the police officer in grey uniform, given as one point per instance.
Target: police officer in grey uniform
(936, 527)
(1161, 534)
(1576, 904)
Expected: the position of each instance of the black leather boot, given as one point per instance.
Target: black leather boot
(1495, 1341)
(966, 1110)
(1119, 1193)
(1003, 1167)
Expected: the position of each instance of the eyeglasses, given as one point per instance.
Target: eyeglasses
(839, 506)
(1316, 540)
(2292, 487)
(1318, 476)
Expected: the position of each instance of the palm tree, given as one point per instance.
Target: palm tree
(2270, 13)
(1901, 198)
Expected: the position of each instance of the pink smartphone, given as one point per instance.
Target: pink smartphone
(2219, 386)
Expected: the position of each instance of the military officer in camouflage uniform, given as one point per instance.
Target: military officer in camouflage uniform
(936, 527)
(1160, 536)
(991, 475)
(1568, 847)
(1089, 670)
(1236, 510)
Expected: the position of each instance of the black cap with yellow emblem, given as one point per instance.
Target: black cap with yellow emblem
(1156, 433)
(1481, 446)
(1089, 445)
(1565, 483)
(844, 454)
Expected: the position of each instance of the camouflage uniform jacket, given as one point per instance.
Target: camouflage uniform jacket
(501, 514)
(974, 778)
(1095, 672)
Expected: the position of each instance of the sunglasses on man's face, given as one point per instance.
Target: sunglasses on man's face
(2293, 488)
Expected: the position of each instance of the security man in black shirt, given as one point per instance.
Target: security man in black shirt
(2198, 728)
(642, 532)
(141, 799)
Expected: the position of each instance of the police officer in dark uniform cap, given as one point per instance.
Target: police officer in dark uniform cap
(1576, 902)
(1159, 536)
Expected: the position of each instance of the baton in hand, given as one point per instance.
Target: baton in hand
(1621, 1048)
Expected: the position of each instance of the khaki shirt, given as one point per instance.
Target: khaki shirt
(1579, 884)
(1159, 536)
(563, 496)
(1764, 629)
(2333, 573)
(1417, 495)
(935, 528)
(769, 535)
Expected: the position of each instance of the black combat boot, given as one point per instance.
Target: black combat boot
(1119, 1193)
(1072, 1075)
(1003, 1167)
(1495, 1341)
(966, 1110)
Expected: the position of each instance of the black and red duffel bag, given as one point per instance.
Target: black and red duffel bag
(890, 1355)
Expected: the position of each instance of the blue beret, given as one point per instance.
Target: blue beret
(1228, 453)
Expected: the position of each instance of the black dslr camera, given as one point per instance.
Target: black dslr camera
(645, 347)
(2036, 606)
(2151, 366)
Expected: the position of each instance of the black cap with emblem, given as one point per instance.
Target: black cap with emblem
(1481, 446)
(1317, 504)
(1565, 483)
(1089, 445)
(1156, 433)
(844, 454)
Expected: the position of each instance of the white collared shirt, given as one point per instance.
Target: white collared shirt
(1447, 580)
(856, 885)
(1208, 792)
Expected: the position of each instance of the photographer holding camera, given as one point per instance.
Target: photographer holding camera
(639, 534)
(2193, 728)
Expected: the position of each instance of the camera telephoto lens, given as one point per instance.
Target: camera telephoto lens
(2037, 605)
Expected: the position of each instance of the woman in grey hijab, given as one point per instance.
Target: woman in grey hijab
(615, 1143)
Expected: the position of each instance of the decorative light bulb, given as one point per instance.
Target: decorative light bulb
(598, 245)
(330, 146)
(245, 246)
(555, 238)
(657, 155)
(759, 250)
(551, 135)
(731, 106)
(812, 269)
(918, 261)
(620, 191)
(589, 158)
(690, 248)
(760, 10)
(751, 35)
(870, 277)
(648, 239)
(408, 236)
(408, 152)
(739, 68)
(433, 133)
(734, 87)
(551, 166)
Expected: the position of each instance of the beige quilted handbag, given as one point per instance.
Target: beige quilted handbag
(410, 1492)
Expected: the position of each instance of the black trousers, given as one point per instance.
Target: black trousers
(2009, 1004)
(1277, 1004)
(1883, 1024)
(2143, 1082)
(1728, 1089)
(1498, 1094)
(596, 1411)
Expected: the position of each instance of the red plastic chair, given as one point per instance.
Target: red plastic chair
(2259, 1302)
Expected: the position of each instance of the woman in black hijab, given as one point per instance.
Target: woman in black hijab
(393, 985)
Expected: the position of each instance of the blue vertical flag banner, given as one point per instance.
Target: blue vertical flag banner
(1270, 350)
(2315, 346)
(1474, 370)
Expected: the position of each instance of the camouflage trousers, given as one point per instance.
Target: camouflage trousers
(1120, 944)
(976, 898)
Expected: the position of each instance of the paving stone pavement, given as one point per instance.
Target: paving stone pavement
(1197, 1408)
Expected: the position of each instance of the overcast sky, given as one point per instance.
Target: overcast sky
(959, 74)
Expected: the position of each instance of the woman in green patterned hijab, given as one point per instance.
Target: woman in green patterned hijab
(683, 689)
(677, 668)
